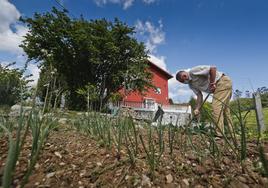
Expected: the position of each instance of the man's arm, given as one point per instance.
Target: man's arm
(212, 77)
(199, 100)
(212, 74)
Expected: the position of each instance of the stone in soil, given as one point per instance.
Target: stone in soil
(145, 181)
(185, 182)
(236, 183)
(169, 178)
(200, 170)
(226, 161)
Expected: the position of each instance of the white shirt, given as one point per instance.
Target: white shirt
(199, 78)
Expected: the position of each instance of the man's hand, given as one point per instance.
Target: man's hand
(212, 87)
(196, 112)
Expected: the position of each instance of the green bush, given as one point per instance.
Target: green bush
(13, 85)
(205, 112)
(245, 103)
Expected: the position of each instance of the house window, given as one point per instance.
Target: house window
(149, 103)
(158, 90)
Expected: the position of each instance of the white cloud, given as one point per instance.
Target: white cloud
(8, 14)
(11, 36)
(35, 71)
(179, 92)
(32, 68)
(10, 41)
(126, 3)
(159, 61)
(149, 1)
(11, 32)
(5, 63)
(152, 35)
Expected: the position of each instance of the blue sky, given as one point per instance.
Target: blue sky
(231, 34)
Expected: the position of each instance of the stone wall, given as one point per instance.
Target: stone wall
(145, 114)
(175, 118)
(15, 110)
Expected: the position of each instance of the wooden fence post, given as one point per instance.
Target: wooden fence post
(259, 112)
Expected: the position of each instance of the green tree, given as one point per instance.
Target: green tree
(89, 93)
(13, 85)
(264, 99)
(245, 104)
(264, 95)
(51, 85)
(102, 53)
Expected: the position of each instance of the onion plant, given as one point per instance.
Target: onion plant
(131, 140)
(39, 128)
(153, 155)
(171, 137)
(13, 151)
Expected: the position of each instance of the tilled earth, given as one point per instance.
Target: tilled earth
(72, 159)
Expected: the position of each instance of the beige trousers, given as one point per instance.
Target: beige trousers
(220, 104)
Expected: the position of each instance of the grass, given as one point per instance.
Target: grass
(251, 123)
(251, 118)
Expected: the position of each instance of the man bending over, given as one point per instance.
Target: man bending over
(207, 79)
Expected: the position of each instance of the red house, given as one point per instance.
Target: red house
(159, 95)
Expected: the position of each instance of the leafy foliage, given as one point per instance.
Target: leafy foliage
(102, 53)
(205, 111)
(13, 85)
(89, 94)
(51, 85)
(264, 95)
(247, 102)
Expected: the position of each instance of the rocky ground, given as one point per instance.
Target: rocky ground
(72, 159)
